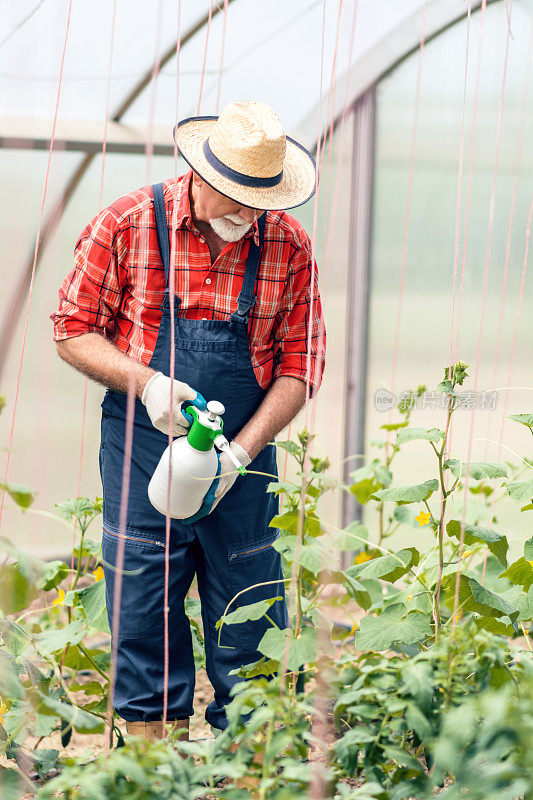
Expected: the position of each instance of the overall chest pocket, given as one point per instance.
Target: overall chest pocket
(255, 574)
(209, 367)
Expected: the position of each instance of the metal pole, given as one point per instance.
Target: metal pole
(358, 293)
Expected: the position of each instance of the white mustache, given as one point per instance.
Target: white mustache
(235, 219)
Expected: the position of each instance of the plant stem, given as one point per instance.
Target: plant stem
(444, 496)
(93, 662)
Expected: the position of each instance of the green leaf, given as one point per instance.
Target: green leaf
(494, 625)
(11, 785)
(286, 522)
(417, 722)
(410, 434)
(282, 487)
(80, 508)
(524, 419)
(394, 624)
(88, 548)
(93, 600)
(354, 587)
(387, 568)
(520, 573)
(416, 493)
(477, 470)
(446, 387)
(76, 660)
(16, 592)
(290, 447)
(528, 549)
(301, 650)
(364, 489)
(10, 685)
(15, 637)
(79, 719)
(51, 641)
(496, 542)
(248, 613)
(418, 679)
(265, 666)
(520, 490)
(42, 574)
(22, 495)
(393, 426)
(477, 598)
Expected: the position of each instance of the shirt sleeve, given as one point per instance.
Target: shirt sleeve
(299, 315)
(90, 295)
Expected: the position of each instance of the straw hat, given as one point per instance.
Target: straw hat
(245, 155)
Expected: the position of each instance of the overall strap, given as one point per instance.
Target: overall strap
(162, 228)
(246, 299)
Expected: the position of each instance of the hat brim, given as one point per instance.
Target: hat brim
(296, 187)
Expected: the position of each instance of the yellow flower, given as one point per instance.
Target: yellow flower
(60, 597)
(3, 709)
(353, 629)
(467, 553)
(423, 518)
(362, 557)
(98, 573)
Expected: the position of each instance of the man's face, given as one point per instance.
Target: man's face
(229, 220)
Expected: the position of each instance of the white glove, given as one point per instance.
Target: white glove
(228, 470)
(156, 398)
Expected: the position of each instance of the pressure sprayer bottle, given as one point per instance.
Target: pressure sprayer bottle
(194, 464)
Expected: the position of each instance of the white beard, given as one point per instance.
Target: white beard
(228, 229)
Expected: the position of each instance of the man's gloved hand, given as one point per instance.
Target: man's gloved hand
(156, 398)
(228, 470)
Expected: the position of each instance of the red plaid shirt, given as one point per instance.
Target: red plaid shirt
(116, 286)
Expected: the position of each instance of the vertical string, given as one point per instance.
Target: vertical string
(172, 291)
(119, 564)
(509, 232)
(205, 56)
(481, 324)
(36, 251)
(459, 183)
(319, 161)
(149, 148)
(409, 193)
(100, 203)
(128, 443)
(470, 169)
(467, 211)
(221, 67)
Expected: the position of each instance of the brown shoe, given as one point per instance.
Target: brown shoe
(156, 730)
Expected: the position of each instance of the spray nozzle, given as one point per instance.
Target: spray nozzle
(222, 444)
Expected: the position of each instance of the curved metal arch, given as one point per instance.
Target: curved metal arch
(52, 220)
(391, 51)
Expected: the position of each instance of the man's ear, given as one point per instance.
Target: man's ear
(197, 180)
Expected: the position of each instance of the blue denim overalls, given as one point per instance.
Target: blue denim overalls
(228, 550)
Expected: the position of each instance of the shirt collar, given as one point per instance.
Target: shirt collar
(184, 216)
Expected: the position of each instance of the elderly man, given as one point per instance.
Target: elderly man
(241, 270)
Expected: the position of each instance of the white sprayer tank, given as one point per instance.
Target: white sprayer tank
(193, 469)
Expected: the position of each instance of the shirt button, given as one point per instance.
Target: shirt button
(208, 281)
(204, 319)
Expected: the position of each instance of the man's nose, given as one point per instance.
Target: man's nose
(249, 214)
